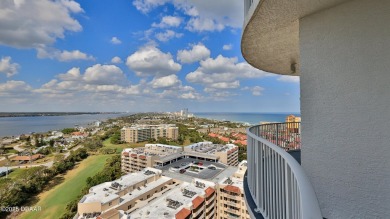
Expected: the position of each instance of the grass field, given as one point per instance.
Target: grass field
(14, 175)
(119, 147)
(53, 202)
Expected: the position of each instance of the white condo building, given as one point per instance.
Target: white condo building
(341, 51)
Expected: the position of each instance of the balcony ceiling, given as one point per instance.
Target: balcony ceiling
(270, 39)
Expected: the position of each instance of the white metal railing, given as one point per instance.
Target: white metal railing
(276, 181)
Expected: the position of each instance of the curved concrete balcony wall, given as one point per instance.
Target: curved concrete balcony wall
(277, 184)
(270, 37)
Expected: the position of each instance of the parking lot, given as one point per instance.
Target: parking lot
(205, 173)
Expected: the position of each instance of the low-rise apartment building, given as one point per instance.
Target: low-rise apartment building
(196, 199)
(231, 200)
(105, 200)
(139, 133)
(158, 155)
(136, 159)
(149, 194)
(226, 154)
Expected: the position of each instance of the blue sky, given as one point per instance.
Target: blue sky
(141, 55)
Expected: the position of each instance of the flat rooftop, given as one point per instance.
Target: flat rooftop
(107, 191)
(208, 147)
(220, 172)
(170, 203)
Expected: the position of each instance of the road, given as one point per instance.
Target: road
(18, 148)
(48, 164)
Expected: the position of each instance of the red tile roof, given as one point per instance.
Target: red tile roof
(242, 142)
(209, 191)
(126, 154)
(79, 134)
(233, 189)
(224, 139)
(213, 135)
(27, 158)
(143, 157)
(183, 213)
(197, 202)
(133, 155)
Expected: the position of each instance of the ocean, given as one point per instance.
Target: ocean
(13, 126)
(250, 118)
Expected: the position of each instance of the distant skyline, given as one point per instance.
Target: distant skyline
(141, 55)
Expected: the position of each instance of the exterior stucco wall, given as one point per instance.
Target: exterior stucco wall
(345, 106)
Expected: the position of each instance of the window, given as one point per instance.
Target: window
(110, 203)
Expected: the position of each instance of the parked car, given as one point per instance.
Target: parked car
(182, 171)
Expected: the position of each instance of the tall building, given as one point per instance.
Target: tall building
(150, 194)
(136, 159)
(292, 118)
(139, 133)
(159, 155)
(340, 50)
(230, 199)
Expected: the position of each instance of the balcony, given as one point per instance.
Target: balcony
(275, 184)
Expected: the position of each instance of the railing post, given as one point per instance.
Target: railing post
(277, 134)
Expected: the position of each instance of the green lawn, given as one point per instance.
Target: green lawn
(14, 175)
(53, 202)
(119, 147)
(17, 173)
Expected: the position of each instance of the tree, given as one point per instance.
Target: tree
(68, 130)
(116, 138)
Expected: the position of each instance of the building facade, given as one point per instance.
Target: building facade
(150, 194)
(340, 50)
(153, 155)
(136, 159)
(226, 154)
(230, 199)
(140, 133)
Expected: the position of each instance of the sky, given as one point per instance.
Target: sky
(140, 55)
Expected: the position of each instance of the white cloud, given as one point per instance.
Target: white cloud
(198, 24)
(225, 85)
(168, 21)
(26, 24)
(115, 40)
(223, 73)
(205, 15)
(190, 95)
(227, 47)
(256, 90)
(197, 53)
(63, 56)
(14, 88)
(74, 55)
(166, 81)
(104, 75)
(116, 60)
(7, 67)
(291, 79)
(147, 5)
(72, 75)
(150, 61)
(167, 35)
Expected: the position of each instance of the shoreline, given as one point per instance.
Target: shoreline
(37, 114)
